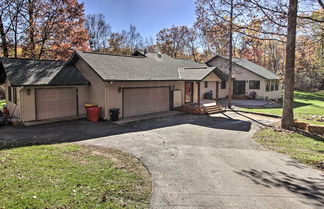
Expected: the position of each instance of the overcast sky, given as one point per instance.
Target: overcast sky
(149, 16)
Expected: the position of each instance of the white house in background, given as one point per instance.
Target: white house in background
(248, 77)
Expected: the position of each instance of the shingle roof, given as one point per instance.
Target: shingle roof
(30, 72)
(194, 73)
(250, 66)
(69, 75)
(139, 68)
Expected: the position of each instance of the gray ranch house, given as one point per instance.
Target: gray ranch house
(45, 90)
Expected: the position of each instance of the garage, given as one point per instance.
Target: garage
(55, 103)
(140, 101)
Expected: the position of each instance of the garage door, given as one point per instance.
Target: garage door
(55, 103)
(140, 101)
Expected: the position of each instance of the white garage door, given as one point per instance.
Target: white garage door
(140, 101)
(55, 103)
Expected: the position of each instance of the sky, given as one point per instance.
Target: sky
(149, 16)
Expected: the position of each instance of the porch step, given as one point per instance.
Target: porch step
(214, 109)
(202, 109)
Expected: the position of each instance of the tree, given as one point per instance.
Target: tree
(42, 28)
(288, 103)
(117, 44)
(134, 39)
(56, 28)
(213, 17)
(191, 44)
(171, 41)
(98, 30)
(4, 29)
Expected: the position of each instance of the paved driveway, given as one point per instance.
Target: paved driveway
(197, 161)
(203, 162)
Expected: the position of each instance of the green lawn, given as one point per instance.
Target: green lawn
(72, 176)
(306, 105)
(305, 149)
(2, 103)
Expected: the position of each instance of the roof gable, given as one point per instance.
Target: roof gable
(250, 66)
(32, 72)
(22, 72)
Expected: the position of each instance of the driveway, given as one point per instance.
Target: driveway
(203, 162)
(198, 161)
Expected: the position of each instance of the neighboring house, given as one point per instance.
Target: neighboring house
(138, 84)
(248, 77)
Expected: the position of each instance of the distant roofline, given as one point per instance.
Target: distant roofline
(21, 58)
(116, 55)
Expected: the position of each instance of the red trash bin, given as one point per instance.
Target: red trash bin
(93, 112)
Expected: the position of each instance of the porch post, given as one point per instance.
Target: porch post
(217, 92)
(198, 93)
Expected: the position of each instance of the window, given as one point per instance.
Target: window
(254, 84)
(272, 85)
(277, 85)
(9, 94)
(267, 85)
(223, 85)
(14, 95)
(206, 84)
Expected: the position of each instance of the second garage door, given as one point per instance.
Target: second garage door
(55, 103)
(140, 101)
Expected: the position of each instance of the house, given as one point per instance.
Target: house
(248, 77)
(39, 90)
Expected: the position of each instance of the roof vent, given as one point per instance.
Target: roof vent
(159, 55)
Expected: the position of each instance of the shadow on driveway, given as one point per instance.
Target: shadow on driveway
(72, 131)
(312, 188)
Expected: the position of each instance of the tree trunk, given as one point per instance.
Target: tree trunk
(229, 104)
(288, 103)
(4, 42)
(31, 30)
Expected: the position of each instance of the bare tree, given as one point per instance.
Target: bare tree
(98, 30)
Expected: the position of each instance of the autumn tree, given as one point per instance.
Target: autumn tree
(42, 28)
(171, 41)
(55, 28)
(98, 30)
(117, 44)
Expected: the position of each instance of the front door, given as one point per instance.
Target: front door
(188, 92)
(239, 87)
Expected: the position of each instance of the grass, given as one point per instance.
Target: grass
(302, 148)
(306, 104)
(2, 103)
(72, 176)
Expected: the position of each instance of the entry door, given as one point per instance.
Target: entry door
(239, 87)
(55, 103)
(188, 92)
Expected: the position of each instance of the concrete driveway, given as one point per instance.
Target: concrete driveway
(197, 161)
(212, 162)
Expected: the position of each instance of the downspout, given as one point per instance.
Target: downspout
(21, 107)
